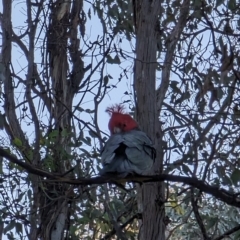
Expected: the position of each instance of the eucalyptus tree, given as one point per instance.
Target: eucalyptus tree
(175, 66)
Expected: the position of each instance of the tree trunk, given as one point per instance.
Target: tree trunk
(56, 204)
(150, 195)
(51, 202)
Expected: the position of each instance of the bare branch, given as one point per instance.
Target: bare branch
(9, 105)
(171, 45)
(112, 216)
(227, 233)
(29, 82)
(197, 215)
(221, 194)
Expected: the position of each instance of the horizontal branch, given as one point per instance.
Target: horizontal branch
(30, 168)
(228, 233)
(221, 194)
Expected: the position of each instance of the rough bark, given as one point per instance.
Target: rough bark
(51, 203)
(56, 204)
(150, 195)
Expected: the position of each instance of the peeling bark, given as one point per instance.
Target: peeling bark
(150, 195)
(51, 203)
(63, 26)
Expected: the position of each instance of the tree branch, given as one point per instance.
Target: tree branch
(233, 230)
(171, 46)
(113, 218)
(197, 215)
(130, 220)
(29, 167)
(231, 199)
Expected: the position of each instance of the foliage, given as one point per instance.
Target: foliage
(53, 97)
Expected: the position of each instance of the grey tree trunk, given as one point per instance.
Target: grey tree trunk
(51, 202)
(56, 211)
(150, 195)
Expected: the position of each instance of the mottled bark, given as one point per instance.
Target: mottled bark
(151, 195)
(51, 203)
(56, 204)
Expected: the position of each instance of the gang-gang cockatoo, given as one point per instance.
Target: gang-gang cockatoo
(128, 150)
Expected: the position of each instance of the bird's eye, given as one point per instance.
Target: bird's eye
(124, 125)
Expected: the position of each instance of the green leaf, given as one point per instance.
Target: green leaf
(235, 177)
(226, 181)
(115, 60)
(232, 5)
(176, 3)
(2, 119)
(188, 67)
(114, 11)
(17, 142)
(237, 235)
(186, 169)
(173, 85)
(220, 40)
(89, 110)
(29, 194)
(109, 59)
(80, 109)
(18, 228)
(93, 134)
(197, 3)
(20, 196)
(30, 154)
(219, 2)
(53, 134)
(10, 236)
(187, 138)
(105, 81)
(89, 13)
(211, 222)
(65, 133)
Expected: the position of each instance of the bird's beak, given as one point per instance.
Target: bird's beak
(117, 130)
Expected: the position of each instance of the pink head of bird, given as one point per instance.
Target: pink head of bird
(120, 121)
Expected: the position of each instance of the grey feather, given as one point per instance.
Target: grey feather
(129, 152)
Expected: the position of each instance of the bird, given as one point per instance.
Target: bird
(128, 149)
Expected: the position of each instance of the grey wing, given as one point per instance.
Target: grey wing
(130, 152)
(140, 151)
(114, 163)
(111, 145)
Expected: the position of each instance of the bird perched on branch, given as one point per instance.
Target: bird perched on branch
(128, 150)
